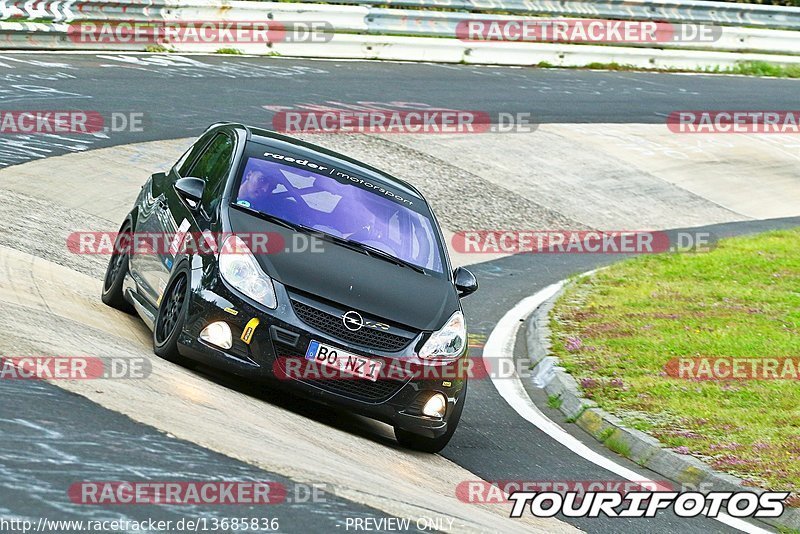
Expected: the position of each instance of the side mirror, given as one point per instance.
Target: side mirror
(190, 189)
(465, 282)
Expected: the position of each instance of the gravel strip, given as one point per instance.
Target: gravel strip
(41, 228)
(462, 200)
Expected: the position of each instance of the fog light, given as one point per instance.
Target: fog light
(436, 406)
(218, 334)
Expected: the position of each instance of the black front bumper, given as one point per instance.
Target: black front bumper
(281, 335)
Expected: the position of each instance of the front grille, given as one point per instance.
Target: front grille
(332, 325)
(355, 388)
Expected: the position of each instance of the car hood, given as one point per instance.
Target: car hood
(354, 280)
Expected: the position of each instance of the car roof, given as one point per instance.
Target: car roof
(271, 138)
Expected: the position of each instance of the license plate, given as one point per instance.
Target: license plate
(346, 362)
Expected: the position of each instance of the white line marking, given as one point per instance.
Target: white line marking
(500, 346)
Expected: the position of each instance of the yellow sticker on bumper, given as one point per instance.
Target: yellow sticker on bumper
(249, 330)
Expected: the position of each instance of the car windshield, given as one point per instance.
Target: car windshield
(341, 205)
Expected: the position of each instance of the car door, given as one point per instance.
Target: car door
(180, 218)
(147, 265)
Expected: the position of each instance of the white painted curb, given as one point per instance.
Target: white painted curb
(500, 346)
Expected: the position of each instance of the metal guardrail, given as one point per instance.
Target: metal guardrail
(444, 24)
(688, 11)
(69, 10)
(53, 17)
(695, 11)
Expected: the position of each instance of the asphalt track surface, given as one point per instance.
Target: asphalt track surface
(55, 438)
(180, 96)
(498, 444)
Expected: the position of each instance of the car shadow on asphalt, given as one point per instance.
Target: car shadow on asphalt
(331, 416)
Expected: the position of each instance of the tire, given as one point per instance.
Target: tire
(416, 442)
(115, 275)
(172, 316)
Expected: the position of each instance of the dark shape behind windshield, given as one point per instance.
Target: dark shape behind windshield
(336, 207)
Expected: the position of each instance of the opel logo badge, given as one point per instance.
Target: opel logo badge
(353, 321)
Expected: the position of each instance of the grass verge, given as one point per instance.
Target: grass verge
(617, 331)
(747, 68)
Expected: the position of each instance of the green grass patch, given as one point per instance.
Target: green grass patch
(609, 66)
(762, 68)
(617, 330)
(157, 49)
(231, 51)
(618, 446)
(555, 401)
(605, 433)
(749, 68)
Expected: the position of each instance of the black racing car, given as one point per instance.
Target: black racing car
(274, 258)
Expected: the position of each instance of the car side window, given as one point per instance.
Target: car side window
(189, 157)
(182, 166)
(212, 167)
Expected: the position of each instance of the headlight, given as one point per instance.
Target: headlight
(239, 268)
(447, 342)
